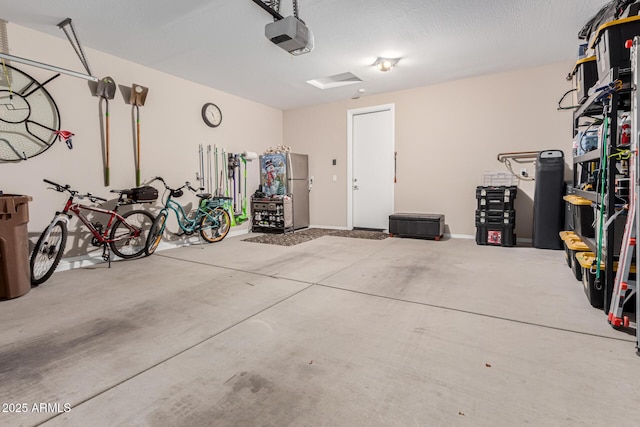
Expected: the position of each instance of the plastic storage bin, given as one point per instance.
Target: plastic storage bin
(573, 246)
(585, 75)
(15, 274)
(609, 43)
(496, 217)
(496, 179)
(564, 235)
(582, 213)
(500, 198)
(496, 234)
(595, 294)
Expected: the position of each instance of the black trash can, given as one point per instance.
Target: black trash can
(15, 277)
(548, 205)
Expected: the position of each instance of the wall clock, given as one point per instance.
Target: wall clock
(211, 115)
(29, 117)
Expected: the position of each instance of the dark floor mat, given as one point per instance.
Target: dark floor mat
(301, 236)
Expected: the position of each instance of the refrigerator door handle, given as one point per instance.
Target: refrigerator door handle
(290, 167)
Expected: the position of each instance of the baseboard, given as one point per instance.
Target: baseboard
(95, 256)
(330, 227)
(459, 236)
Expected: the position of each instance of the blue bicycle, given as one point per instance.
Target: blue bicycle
(211, 219)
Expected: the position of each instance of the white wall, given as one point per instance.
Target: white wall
(446, 136)
(172, 128)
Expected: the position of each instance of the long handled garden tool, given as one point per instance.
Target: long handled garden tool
(225, 168)
(225, 171)
(215, 157)
(209, 179)
(200, 174)
(106, 90)
(234, 164)
(242, 206)
(247, 155)
(238, 194)
(234, 173)
(221, 189)
(137, 99)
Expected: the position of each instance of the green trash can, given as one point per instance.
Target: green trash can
(15, 275)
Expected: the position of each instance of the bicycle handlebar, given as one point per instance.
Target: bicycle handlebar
(58, 186)
(158, 178)
(187, 184)
(74, 193)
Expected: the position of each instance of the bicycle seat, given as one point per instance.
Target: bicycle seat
(222, 198)
(204, 195)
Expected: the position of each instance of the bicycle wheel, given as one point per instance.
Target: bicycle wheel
(47, 253)
(215, 225)
(128, 243)
(155, 234)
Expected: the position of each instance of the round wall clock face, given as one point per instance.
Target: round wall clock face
(28, 116)
(211, 115)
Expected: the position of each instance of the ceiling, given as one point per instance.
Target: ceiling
(221, 43)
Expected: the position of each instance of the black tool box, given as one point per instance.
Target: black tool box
(496, 235)
(500, 198)
(496, 215)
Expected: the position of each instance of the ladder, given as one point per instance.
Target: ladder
(635, 160)
(624, 289)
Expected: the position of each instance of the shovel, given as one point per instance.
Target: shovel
(137, 99)
(106, 90)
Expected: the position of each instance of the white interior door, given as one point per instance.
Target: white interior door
(372, 166)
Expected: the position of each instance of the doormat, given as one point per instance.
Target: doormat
(301, 236)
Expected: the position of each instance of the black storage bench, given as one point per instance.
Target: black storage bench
(430, 226)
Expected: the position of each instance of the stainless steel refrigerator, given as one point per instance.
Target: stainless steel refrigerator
(288, 174)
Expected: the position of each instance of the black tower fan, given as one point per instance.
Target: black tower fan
(548, 206)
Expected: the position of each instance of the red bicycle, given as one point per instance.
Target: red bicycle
(125, 235)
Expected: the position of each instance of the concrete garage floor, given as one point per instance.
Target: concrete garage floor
(331, 332)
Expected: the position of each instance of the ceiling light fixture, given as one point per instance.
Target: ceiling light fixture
(385, 64)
